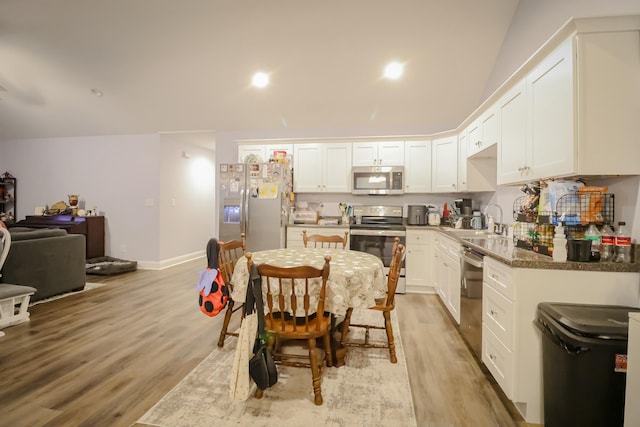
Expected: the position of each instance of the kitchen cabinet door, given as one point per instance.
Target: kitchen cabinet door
(489, 127)
(365, 153)
(322, 167)
(444, 177)
(441, 281)
(419, 274)
(513, 154)
(307, 168)
(550, 95)
(417, 167)
(257, 150)
(462, 161)
(263, 151)
(378, 153)
(336, 159)
(453, 277)
(391, 153)
(474, 138)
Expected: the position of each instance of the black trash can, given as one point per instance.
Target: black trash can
(584, 351)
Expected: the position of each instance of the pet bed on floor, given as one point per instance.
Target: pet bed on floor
(106, 266)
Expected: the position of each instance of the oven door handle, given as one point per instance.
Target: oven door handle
(361, 232)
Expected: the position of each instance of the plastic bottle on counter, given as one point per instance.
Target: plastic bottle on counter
(593, 234)
(559, 244)
(608, 244)
(623, 243)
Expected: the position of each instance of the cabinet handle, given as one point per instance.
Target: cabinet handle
(492, 357)
(493, 313)
(453, 185)
(494, 276)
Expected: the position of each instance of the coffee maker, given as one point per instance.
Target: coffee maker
(464, 208)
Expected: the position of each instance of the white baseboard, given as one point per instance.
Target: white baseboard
(161, 265)
(413, 289)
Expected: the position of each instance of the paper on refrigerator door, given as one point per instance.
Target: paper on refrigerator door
(268, 190)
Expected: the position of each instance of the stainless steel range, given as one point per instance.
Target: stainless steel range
(374, 232)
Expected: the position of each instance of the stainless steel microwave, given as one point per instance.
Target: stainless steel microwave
(374, 180)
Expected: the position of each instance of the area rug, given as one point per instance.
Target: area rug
(368, 391)
(88, 286)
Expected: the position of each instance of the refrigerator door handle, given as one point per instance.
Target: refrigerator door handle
(243, 228)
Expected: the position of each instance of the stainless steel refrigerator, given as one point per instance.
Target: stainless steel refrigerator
(254, 199)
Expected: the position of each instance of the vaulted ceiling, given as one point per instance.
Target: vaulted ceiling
(168, 65)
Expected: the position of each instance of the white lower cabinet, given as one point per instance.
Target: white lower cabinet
(447, 273)
(511, 342)
(498, 323)
(294, 234)
(498, 359)
(419, 272)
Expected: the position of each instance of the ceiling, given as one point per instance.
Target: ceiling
(183, 66)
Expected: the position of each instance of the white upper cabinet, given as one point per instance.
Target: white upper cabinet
(572, 113)
(322, 167)
(417, 166)
(264, 152)
(378, 153)
(513, 153)
(550, 101)
(489, 127)
(444, 165)
(462, 161)
(483, 132)
(474, 136)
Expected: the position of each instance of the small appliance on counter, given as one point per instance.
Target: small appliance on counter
(305, 216)
(417, 215)
(463, 207)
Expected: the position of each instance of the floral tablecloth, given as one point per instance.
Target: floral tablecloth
(356, 279)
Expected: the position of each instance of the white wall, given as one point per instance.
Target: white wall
(131, 179)
(535, 21)
(187, 198)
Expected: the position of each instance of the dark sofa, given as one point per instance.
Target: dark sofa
(47, 259)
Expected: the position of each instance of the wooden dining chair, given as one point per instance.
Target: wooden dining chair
(293, 288)
(229, 254)
(385, 305)
(325, 241)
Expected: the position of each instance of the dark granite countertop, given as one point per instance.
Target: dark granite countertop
(503, 250)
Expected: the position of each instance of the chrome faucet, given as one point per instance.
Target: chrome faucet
(499, 226)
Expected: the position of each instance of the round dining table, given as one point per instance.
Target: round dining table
(356, 278)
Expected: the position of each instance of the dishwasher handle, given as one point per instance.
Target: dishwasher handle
(472, 257)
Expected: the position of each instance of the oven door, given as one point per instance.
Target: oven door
(379, 243)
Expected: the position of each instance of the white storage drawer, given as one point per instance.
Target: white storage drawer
(498, 315)
(500, 277)
(499, 360)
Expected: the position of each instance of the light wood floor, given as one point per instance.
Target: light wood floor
(104, 357)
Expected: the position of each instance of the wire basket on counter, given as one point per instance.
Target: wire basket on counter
(534, 230)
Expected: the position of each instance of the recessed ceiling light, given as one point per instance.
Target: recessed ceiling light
(260, 79)
(393, 70)
(97, 92)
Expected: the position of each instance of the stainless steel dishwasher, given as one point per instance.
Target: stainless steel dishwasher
(471, 299)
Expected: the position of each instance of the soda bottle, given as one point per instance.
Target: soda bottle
(623, 243)
(593, 234)
(608, 244)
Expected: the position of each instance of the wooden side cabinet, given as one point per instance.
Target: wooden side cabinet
(92, 227)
